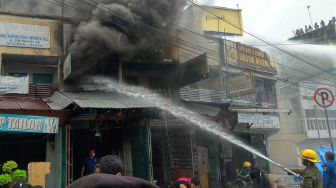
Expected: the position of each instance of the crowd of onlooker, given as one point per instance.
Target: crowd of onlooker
(317, 26)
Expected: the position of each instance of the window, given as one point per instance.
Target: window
(42, 78)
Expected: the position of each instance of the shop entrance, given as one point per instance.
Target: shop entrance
(104, 142)
(22, 148)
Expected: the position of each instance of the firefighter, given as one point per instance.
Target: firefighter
(311, 175)
(244, 174)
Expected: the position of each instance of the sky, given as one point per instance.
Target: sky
(276, 19)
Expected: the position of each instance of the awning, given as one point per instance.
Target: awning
(22, 103)
(105, 100)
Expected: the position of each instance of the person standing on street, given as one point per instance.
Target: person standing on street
(311, 175)
(329, 171)
(89, 163)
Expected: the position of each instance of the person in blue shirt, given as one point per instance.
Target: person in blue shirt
(89, 163)
(329, 171)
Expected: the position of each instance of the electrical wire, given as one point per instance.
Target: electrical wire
(71, 5)
(263, 40)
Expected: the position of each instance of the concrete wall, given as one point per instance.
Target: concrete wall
(55, 36)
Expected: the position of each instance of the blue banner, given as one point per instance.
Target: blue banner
(29, 124)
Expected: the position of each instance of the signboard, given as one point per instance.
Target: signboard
(213, 24)
(324, 97)
(29, 124)
(255, 59)
(248, 57)
(308, 89)
(259, 120)
(24, 35)
(67, 67)
(11, 84)
(241, 83)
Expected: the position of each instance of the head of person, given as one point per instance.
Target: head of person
(111, 164)
(247, 165)
(92, 153)
(22, 185)
(309, 157)
(329, 156)
(195, 181)
(97, 169)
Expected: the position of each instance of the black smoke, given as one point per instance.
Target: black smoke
(122, 29)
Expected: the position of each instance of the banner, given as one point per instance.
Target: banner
(29, 124)
(24, 35)
(11, 84)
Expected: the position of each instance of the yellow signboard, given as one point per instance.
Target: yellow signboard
(222, 20)
(248, 57)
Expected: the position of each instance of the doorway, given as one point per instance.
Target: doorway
(22, 148)
(107, 142)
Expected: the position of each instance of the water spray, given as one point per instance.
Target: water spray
(105, 84)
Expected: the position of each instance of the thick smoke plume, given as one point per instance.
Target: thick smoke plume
(121, 28)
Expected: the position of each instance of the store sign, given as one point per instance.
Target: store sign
(248, 57)
(29, 124)
(308, 90)
(241, 83)
(24, 35)
(259, 120)
(67, 67)
(11, 84)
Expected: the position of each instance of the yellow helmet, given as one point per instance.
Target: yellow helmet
(246, 164)
(309, 155)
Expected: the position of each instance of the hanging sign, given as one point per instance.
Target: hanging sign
(324, 97)
(29, 124)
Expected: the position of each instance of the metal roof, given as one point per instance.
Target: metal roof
(22, 103)
(58, 101)
(108, 100)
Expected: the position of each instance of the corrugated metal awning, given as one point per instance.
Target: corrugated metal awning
(108, 100)
(22, 103)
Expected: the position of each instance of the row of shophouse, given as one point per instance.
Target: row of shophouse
(47, 118)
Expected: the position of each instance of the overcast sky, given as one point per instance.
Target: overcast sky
(276, 19)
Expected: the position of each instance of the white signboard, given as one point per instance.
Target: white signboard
(11, 84)
(24, 35)
(259, 120)
(308, 90)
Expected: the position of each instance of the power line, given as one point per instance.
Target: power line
(265, 41)
(177, 38)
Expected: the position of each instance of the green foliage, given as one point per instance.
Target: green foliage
(9, 166)
(19, 175)
(5, 179)
(11, 174)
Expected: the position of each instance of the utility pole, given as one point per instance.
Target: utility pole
(311, 21)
